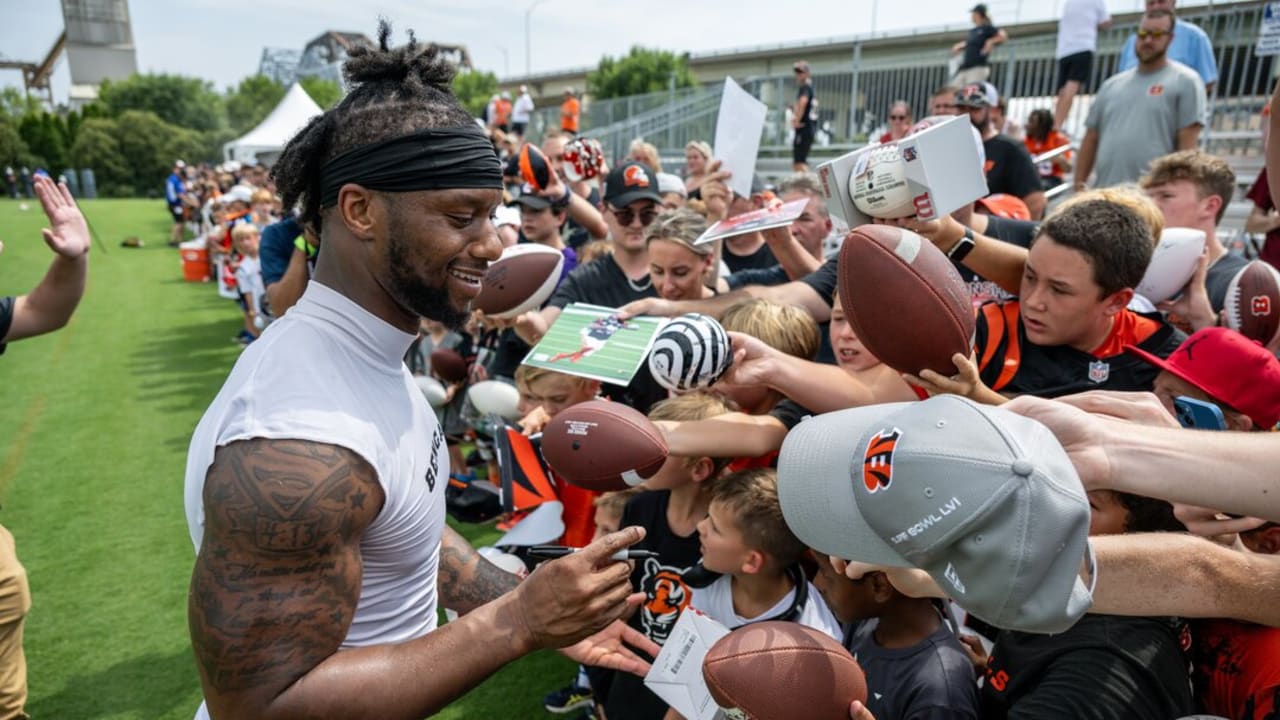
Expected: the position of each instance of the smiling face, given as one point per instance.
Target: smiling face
(1061, 303)
(676, 270)
(434, 250)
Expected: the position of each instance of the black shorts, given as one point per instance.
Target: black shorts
(800, 146)
(178, 213)
(1075, 67)
(519, 127)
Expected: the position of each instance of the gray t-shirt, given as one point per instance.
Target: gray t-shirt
(932, 680)
(1138, 117)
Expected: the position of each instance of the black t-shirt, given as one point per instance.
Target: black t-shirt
(1219, 276)
(789, 413)
(6, 319)
(824, 279)
(761, 259)
(602, 282)
(666, 596)
(809, 115)
(1014, 232)
(978, 36)
(931, 680)
(1105, 667)
(1009, 167)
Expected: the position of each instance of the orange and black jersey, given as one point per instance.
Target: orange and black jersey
(1013, 365)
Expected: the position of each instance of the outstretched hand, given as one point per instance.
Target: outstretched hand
(967, 382)
(68, 235)
(611, 648)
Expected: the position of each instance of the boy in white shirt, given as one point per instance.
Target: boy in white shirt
(249, 277)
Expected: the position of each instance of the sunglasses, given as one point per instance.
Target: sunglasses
(897, 117)
(626, 216)
(1144, 34)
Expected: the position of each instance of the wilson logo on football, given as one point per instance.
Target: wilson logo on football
(635, 177)
(1260, 305)
(924, 206)
(877, 463)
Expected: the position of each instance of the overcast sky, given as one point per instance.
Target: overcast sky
(222, 40)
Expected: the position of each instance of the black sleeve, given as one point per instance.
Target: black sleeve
(1022, 175)
(1014, 232)
(757, 276)
(6, 319)
(570, 289)
(789, 413)
(1095, 678)
(823, 280)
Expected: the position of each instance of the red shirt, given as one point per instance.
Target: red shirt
(1053, 140)
(1237, 669)
(1260, 194)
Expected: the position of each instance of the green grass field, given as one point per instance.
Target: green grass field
(94, 425)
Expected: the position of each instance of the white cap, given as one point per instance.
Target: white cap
(668, 183)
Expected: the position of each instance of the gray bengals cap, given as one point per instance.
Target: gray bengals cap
(986, 501)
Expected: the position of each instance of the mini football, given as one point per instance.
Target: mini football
(1252, 304)
(878, 184)
(432, 390)
(534, 168)
(904, 299)
(448, 365)
(690, 353)
(519, 281)
(782, 670)
(492, 397)
(1172, 264)
(602, 445)
(583, 159)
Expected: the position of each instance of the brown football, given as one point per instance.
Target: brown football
(1252, 303)
(783, 670)
(904, 299)
(448, 365)
(519, 281)
(602, 445)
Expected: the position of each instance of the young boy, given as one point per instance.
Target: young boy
(745, 538)
(676, 499)
(914, 664)
(249, 278)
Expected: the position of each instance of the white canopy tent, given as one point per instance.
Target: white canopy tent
(271, 135)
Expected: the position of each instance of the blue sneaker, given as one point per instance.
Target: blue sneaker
(567, 699)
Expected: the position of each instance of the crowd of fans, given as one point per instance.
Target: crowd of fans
(1056, 311)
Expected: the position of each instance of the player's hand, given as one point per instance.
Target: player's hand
(68, 235)
(1211, 524)
(566, 600)
(1192, 311)
(533, 423)
(647, 306)
(1143, 408)
(1085, 437)
(609, 649)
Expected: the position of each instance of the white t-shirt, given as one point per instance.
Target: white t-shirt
(716, 602)
(249, 281)
(522, 109)
(331, 372)
(1078, 28)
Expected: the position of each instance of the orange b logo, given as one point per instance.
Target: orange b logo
(877, 463)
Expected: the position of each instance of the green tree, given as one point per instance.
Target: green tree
(326, 93)
(13, 150)
(46, 136)
(15, 103)
(251, 101)
(640, 71)
(474, 88)
(150, 145)
(183, 101)
(96, 147)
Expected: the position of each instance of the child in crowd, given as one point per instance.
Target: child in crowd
(248, 272)
(745, 538)
(915, 665)
(677, 498)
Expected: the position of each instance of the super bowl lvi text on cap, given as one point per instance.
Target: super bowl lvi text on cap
(986, 501)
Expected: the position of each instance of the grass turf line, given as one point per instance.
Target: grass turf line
(94, 426)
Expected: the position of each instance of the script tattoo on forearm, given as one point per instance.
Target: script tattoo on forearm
(467, 580)
(278, 574)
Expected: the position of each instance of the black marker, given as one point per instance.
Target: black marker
(555, 551)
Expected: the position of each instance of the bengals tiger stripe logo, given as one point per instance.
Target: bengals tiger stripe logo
(877, 463)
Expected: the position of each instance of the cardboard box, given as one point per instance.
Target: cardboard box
(676, 674)
(943, 171)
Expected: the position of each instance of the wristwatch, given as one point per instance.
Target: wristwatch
(962, 247)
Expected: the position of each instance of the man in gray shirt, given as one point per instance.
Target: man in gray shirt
(1143, 113)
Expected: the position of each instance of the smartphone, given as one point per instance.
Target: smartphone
(1198, 414)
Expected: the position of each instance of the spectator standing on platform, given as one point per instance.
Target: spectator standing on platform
(521, 113)
(983, 38)
(1143, 113)
(1008, 164)
(1077, 43)
(570, 110)
(804, 118)
(1191, 47)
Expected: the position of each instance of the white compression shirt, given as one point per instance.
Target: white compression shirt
(331, 372)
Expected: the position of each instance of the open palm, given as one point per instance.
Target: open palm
(68, 235)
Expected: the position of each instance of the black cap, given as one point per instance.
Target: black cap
(980, 8)
(629, 182)
(531, 199)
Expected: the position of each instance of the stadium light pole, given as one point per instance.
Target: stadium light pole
(528, 52)
(506, 60)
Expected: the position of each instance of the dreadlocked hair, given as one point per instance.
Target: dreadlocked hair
(393, 92)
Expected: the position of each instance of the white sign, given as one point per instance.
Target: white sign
(738, 130)
(1269, 30)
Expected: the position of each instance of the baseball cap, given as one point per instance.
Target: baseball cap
(980, 8)
(984, 500)
(238, 193)
(530, 198)
(1231, 368)
(179, 164)
(668, 183)
(629, 182)
(801, 66)
(976, 95)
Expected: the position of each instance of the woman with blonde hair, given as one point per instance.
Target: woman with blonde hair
(646, 153)
(697, 155)
(679, 269)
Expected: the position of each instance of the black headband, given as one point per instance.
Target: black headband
(436, 159)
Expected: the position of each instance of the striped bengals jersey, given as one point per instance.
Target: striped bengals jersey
(1013, 365)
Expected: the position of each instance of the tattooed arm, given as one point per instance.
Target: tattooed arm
(467, 580)
(277, 580)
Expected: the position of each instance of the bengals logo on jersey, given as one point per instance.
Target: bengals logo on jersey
(877, 463)
(634, 176)
(1155, 90)
(666, 596)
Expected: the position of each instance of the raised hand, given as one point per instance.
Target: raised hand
(68, 235)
